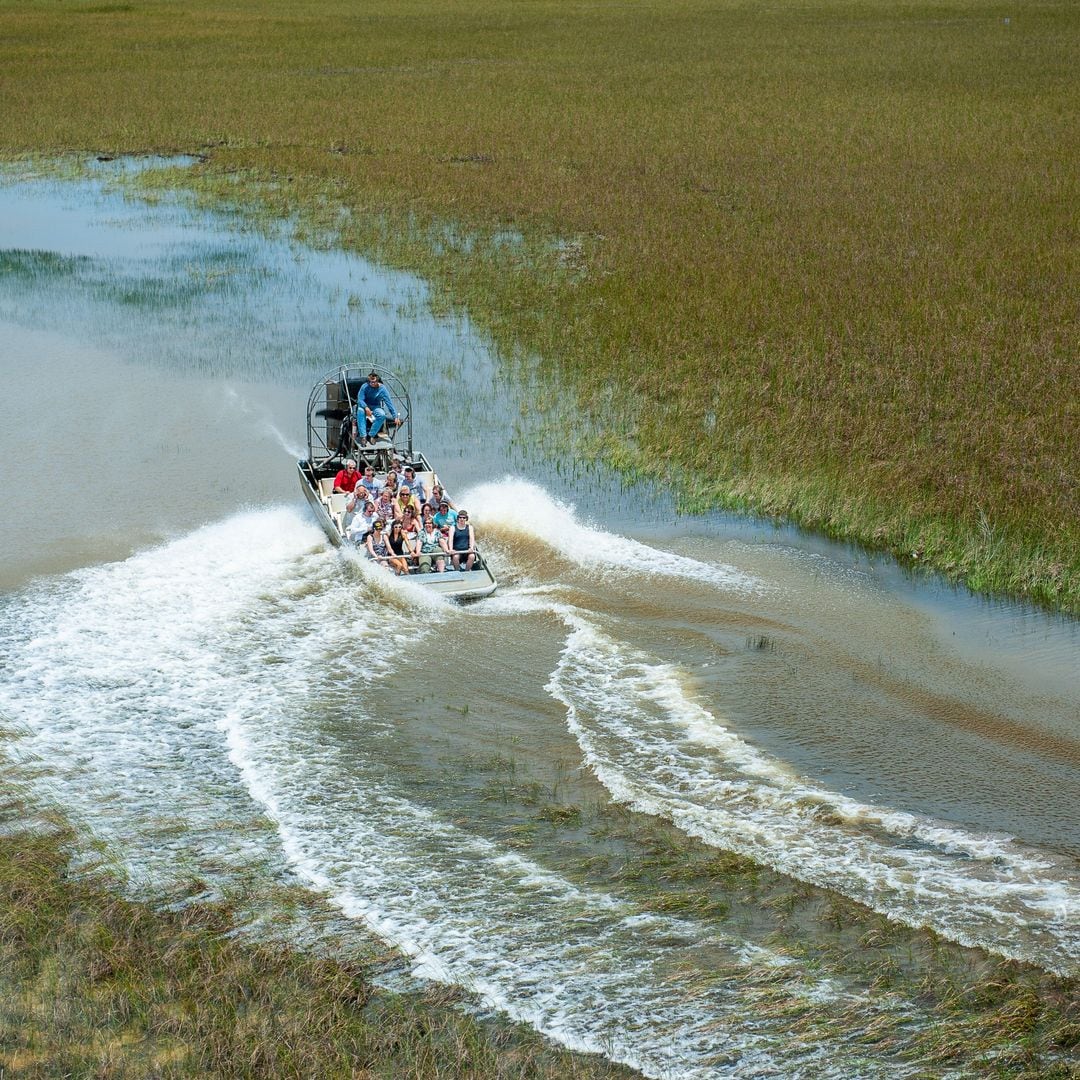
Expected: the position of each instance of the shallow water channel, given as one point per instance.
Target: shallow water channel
(209, 689)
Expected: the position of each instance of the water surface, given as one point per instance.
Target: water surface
(208, 688)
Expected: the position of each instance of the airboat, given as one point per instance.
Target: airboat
(333, 437)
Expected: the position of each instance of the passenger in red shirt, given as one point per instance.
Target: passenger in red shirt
(347, 478)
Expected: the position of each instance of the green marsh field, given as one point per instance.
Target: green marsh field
(813, 261)
(817, 260)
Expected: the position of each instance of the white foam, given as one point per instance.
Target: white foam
(114, 675)
(581, 966)
(189, 697)
(520, 506)
(662, 753)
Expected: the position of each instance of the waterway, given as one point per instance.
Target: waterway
(211, 692)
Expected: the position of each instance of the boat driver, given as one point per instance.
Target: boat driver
(374, 407)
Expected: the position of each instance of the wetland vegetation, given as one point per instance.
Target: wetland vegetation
(816, 261)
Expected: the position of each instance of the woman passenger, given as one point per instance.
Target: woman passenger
(463, 542)
(410, 529)
(386, 504)
(433, 549)
(400, 549)
(405, 498)
(376, 543)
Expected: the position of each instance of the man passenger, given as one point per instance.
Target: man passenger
(347, 478)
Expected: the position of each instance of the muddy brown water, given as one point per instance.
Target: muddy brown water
(204, 685)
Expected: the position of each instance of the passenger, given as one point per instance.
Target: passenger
(447, 516)
(432, 549)
(360, 525)
(438, 496)
(376, 542)
(400, 548)
(416, 485)
(410, 529)
(372, 485)
(463, 542)
(406, 498)
(386, 504)
(374, 407)
(347, 478)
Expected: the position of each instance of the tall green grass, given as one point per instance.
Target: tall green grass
(818, 259)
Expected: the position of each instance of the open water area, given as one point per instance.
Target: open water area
(214, 695)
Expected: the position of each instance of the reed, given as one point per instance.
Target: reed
(815, 260)
(95, 985)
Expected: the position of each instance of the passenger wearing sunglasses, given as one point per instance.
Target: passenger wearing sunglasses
(376, 542)
(400, 548)
(463, 542)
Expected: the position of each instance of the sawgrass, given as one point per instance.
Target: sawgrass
(95, 985)
(816, 259)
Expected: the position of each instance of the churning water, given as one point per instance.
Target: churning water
(210, 691)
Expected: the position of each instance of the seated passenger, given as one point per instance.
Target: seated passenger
(400, 549)
(431, 549)
(376, 542)
(405, 498)
(386, 505)
(371, 485)
(446, 516)
(410, 528)
(416, 485)
(463, 543)
(360, 525)
(347, 478)
(438, 496)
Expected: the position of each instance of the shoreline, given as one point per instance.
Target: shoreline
(781, 259)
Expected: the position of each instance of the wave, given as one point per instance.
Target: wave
(205, 709)
(662, 753)
(586, 968)
(527, 514)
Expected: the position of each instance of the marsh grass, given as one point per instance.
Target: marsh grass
(991, 1017)
(816, 260)
(95, 985)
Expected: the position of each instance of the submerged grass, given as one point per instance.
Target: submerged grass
(817, 260)
(937, 1007)
(95, 985)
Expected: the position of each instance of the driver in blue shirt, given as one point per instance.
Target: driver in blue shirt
(374, 407)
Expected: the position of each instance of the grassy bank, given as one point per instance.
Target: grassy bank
(817, 260)
(94, 985)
